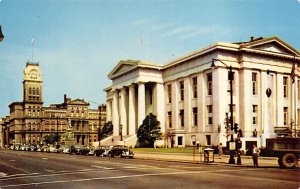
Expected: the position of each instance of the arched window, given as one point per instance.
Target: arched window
(29, 90)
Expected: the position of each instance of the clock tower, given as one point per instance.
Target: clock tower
(32, 84)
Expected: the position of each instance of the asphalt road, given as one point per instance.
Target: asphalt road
(45, 170)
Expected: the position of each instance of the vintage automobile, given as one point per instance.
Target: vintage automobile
(287, 149)
(102, 151)
(120, 150)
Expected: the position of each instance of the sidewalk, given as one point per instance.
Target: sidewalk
(190, 158)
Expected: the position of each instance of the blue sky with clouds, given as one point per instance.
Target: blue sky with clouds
(78, 42)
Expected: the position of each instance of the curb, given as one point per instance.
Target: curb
(191, 162)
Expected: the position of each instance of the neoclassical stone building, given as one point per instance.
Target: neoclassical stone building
(29, 121)
(190, 97)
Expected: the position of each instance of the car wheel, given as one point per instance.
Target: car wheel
(289, 161)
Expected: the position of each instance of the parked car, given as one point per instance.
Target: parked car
(61, 148)
(121, 150)
(52, 149)
(15, 146)
(38, 148)
(84, 150)
(67, 150)
(91, 151)
(76, 149)
(32, 148)
(45, 149)
(101, 151)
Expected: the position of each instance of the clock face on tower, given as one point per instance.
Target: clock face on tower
(33, 75)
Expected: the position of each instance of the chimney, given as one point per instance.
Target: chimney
(65, 98)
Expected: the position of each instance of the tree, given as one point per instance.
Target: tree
(51, 139)
(106, 131)
(149, 131)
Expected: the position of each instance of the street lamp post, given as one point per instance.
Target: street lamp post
(56, 130)
(232, 144)
(29, 133)
(99, 135)
(121, 128)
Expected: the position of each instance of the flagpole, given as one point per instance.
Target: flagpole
(295, 101)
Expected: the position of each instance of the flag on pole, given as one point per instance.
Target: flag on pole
(293, 74)
(32, 41)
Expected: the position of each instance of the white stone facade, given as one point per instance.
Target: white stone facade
(191, 99)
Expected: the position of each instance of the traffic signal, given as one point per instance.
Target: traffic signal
(236, 127)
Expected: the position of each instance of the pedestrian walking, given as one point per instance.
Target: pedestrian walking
(255, 154)
(239, 152)
(220, 150)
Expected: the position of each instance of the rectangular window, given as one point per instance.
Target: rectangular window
(285, 87)
(179, 138)
(181, 117)
(169, 93)
(254, 83)
(195, 116)
(209, 84)
(285, 116)
(194, 87)
(210, 120)
(209, 109)
(254, 108)
(170, 119)
(181, 85)
(209, 114)
(254, 120)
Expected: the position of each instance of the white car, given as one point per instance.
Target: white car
(52, 149)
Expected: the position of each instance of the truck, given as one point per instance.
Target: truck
(286, 149)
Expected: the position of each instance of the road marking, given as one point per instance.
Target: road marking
(100, 167)
(82, 170)
(20, 174)
(142, 175)
(49, 170)
(129, 167)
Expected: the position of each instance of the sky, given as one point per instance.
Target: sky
(78, 42)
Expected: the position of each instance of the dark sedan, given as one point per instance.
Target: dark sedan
(101, 150)
(120, 150)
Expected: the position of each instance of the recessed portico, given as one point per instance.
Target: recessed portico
(134, 95)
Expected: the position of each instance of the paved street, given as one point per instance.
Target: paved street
(20, 169)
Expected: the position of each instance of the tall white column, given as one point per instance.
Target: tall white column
(123, 113)
(160, 105)
(141, 103)
(132, 118)
(268, 118)
(115, 113)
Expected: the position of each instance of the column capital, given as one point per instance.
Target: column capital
(141, 82)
